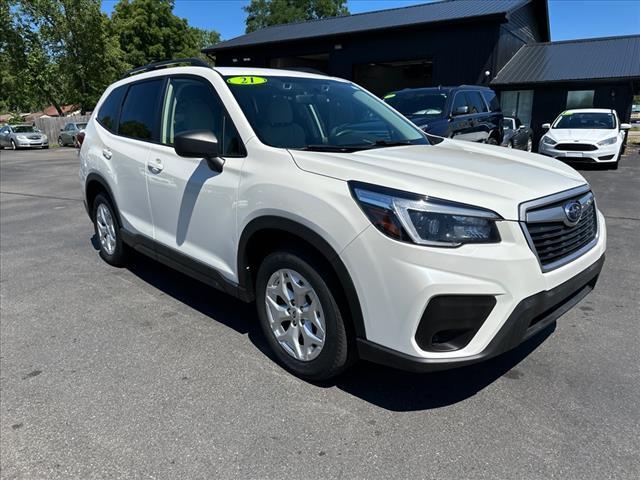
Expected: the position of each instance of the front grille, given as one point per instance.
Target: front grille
(576, 147)
(34, 137)
(554, 242)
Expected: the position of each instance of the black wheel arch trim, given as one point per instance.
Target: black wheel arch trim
(292, 227)
(95, 177)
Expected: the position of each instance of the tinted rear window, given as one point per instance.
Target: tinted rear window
(108, 113)
(139, 116)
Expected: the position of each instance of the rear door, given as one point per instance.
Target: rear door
(131, 122)
(193, 206)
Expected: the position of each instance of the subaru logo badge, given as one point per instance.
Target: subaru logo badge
(573, 211)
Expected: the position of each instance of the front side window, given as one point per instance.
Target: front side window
(138, 118)
(191, 104)
(108, 113)
(585, 120)
(459, 101)
(417, 103)
(319, 114)
(476, 104)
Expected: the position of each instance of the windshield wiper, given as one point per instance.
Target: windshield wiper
(333, 148)
(392, 143)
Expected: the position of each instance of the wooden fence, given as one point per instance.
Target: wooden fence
(51, 126)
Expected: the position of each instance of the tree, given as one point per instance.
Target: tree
(149, 31)
(265, 13)
(64, 51)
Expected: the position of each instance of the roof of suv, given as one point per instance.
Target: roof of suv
(589, 110)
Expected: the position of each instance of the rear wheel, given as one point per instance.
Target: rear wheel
(300, 317)
(112, 249)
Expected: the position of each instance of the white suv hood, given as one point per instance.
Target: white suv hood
(482, 175)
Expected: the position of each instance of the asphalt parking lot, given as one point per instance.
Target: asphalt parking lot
(144, 373)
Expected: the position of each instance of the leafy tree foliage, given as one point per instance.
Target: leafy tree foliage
(149, 31)
(265, 13)
(56, 52)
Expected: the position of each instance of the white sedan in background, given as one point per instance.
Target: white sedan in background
(593, 135)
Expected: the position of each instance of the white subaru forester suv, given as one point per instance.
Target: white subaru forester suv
(356, 234)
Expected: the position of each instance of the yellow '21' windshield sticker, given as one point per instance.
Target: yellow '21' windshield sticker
(246, 80)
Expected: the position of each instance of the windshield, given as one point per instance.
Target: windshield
(591, 120)
(416, 103)
(319, 114)
(24, 129)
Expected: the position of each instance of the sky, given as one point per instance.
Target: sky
(569, 19)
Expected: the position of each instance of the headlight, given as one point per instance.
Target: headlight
(548, 140)
(424, 220)
(21, 137)
(44, 138)
(608, 141)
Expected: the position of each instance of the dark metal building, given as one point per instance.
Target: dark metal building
(442, 43)
(542, 80)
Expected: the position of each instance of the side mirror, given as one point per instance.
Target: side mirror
(464, 110)
(546, 126)
(199, 144)
(625, 126)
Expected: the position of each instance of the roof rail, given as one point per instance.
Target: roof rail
(193, 62)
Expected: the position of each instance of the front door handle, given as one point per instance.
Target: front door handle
(106, 153)
(155, 166)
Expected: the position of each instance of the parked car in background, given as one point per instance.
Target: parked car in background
(356, 236)
(516, 134)
(68, 135)
(463, 113)
(635, 114)
(592, 135)
(22, 136)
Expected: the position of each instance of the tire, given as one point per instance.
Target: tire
(510, 144)
(300, 270)
(13, 145)
(492, 141)
(112, 249)
(60, 142)
(529, 147)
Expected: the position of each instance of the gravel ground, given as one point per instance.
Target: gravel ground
(144, 373)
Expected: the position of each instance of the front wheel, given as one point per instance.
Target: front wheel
(529, 144)
(13, 145)
(300, 317)
(112, 249)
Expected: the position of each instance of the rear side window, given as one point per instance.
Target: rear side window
(492, 100)
(139, 116)
(475, 102)
(108, 113)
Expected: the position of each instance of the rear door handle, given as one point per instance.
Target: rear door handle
(155, 166)
(106, 153)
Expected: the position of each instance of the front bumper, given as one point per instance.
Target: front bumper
(531, 315)
(606, 154)
(396, 282)
(32, 143)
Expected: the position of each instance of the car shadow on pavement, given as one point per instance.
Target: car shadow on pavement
(401, 391)
(384, 387)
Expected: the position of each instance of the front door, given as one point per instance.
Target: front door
(193, 206)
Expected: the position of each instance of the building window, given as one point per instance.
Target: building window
(517, 104)
(580, 99)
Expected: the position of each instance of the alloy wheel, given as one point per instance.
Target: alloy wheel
(529, 145)
(106, 229)
(295, 314)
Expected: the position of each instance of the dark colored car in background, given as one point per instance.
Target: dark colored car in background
(516, 134)
(467, 112)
